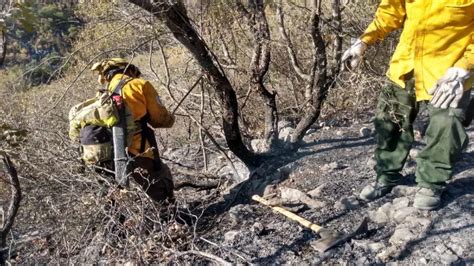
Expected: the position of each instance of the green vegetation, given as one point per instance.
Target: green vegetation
(38, 36)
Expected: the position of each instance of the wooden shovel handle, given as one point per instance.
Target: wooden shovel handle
(289, 214)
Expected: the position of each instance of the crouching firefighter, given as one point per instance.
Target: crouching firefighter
(136, 105)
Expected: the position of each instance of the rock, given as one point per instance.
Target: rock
(231, 237)
(441, 248)
(449, 258)
(417, 222)
(382, 214)
(423, 261)
(270, 190)
(312, 203)
(378, 217)
(238, 211)
(362, 261)
(363, 244)
(403, 190)
(291, 195)
(295, 208)
(285, 134)
(258, 228)
(387, 253)
(339, 133)
(399, 203)
(456, 248)
(294, 196)
(376, 247)
(259, 145)
(347, 203)
(402, 214)
(275, 201)
(371, 162)
(332, 166)
(284, 124)
(317, 192)
(242, 170)
(401, 236)
(365, 132)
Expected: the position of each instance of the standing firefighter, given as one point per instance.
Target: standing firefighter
(143, 107)
(431, 67)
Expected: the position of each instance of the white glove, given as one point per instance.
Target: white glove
(352, 56)
(448, 90)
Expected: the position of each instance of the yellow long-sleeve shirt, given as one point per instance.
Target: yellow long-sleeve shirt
(141, 98)
(437, 35)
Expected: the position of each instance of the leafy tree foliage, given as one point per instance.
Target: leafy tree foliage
(38, 36)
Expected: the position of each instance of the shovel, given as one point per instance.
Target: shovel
(329, 239)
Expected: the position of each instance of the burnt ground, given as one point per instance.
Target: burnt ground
(332, 167)
(320, 183)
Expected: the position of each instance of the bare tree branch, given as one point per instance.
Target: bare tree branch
(289, 44)
(321, 82)
(14, 204)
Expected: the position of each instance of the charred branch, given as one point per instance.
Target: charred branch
(260, 63)
(321, 83)
(337, 25)
(289, 44)
(9, 219)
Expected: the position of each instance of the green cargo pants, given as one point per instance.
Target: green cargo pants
(397, 108)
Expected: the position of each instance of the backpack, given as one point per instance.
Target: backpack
(90, 124)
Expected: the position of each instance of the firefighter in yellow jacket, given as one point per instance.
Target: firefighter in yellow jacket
(145, 108)
(432, 66)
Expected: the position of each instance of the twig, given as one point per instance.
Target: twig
(204, 254)
(187, 93)
(201, 120)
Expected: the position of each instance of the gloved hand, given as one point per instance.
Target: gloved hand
(352, 56)
(448, 90)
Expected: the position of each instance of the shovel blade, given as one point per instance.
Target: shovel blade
(331, 239)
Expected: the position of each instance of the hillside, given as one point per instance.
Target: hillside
(262, 108)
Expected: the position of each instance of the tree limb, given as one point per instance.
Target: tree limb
(260, 64)
(289, 44)
(14, 204)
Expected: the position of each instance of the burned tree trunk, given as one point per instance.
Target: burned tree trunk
(260, 63)
(176, 19)
(319, 93)
(12, 180)
(318, 81)
(3, 46)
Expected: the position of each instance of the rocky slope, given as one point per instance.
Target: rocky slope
(321, 183)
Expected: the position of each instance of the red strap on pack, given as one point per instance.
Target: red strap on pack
(118, 100)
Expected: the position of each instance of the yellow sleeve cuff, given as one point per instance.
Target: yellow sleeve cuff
(368, 38)
(464, 64)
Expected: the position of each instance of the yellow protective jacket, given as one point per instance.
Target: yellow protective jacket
(141, 98)
(437, 34)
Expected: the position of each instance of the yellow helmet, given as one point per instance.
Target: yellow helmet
(103, 66)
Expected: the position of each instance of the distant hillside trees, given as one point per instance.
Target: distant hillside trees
(35, 36)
